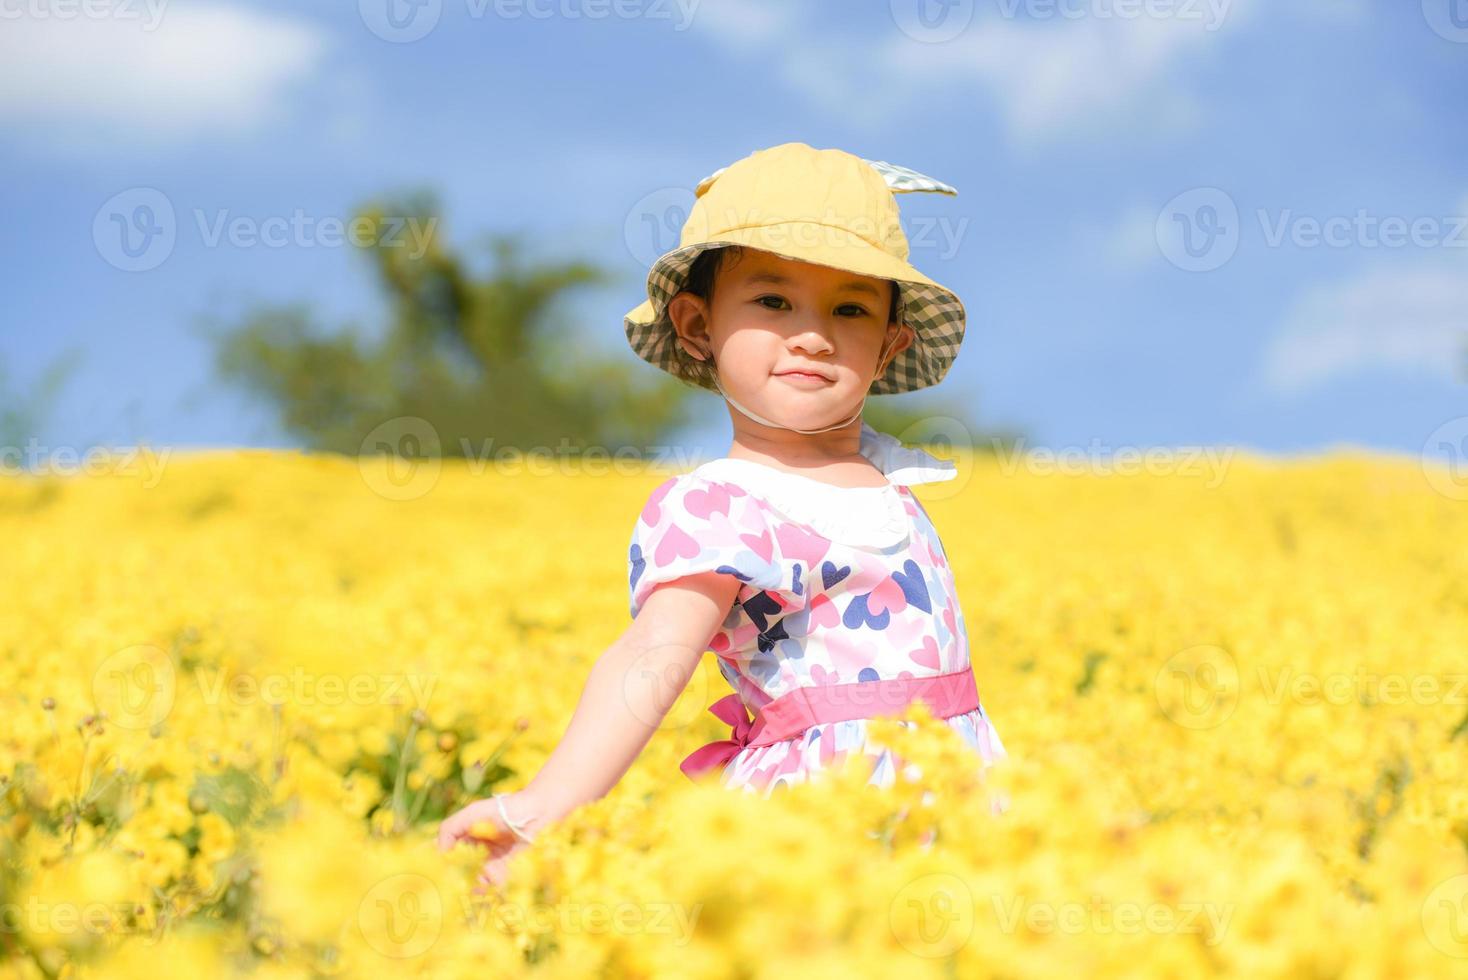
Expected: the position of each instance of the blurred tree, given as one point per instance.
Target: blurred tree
(939, 426)
(482, 359)
(23, 413)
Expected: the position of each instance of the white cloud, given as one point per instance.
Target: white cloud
(149, 71)
(745, 23)
(1410, 321)
(1047, 77)
(1063, 77)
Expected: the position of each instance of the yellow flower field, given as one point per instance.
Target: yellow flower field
(239, 693)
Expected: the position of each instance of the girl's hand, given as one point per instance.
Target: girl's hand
(480, 822)
(624, 701)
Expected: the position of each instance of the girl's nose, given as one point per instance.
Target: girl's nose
(811, 342)
(813, 337)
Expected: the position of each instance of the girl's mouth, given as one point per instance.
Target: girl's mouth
(805, 379)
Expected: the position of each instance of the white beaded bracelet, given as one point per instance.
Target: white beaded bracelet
(515, 829)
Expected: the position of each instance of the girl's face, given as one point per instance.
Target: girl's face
(796, 342)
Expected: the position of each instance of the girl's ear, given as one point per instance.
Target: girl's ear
(904, 337)
(689, 314)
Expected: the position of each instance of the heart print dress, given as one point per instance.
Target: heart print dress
(838, 585)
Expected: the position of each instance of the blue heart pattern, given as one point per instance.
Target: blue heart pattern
(830, 574)
(914, 586)
(858, 614)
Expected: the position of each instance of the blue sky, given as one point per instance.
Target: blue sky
(1179, 222)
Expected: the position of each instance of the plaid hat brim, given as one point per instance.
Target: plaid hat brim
(935, 313)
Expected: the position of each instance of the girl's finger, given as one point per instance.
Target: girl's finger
(450, 830)
(456, 826)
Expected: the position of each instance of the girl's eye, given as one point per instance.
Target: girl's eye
(845, 309)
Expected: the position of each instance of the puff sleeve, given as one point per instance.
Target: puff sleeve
(690, 525)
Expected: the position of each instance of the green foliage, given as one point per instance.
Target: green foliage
(932, 425)
(482, 358)
(22, 413)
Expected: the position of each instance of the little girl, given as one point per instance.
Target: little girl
(802, 560)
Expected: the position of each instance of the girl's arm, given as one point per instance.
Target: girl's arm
(630, 689)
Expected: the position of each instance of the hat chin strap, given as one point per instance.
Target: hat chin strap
(747, 413)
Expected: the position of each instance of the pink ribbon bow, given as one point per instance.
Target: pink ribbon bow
(797, 710)
(714, 755)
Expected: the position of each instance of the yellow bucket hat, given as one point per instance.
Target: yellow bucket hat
(828, 207)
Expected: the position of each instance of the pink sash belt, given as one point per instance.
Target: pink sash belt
(795, 711)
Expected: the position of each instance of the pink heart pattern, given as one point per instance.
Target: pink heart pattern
(809, 611)
(702, 503)
(675, 544)
(801, 544)
(927, 655)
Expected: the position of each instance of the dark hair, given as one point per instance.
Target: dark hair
(700, 282)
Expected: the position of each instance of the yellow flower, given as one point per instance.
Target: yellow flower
(77, 900)
(216, 837)
(1229, 698)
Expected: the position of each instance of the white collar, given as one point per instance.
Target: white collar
(863, 516)
(905, 465)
